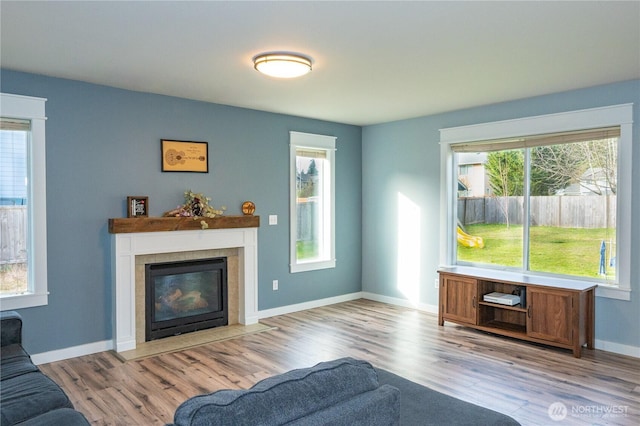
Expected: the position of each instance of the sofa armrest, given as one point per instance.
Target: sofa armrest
(10, 328)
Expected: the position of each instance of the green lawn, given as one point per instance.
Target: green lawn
(571, 251)
(306, 249)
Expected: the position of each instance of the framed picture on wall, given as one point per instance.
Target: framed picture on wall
(137, 206)
(185, 156)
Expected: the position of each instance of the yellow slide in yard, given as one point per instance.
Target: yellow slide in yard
(469, 240)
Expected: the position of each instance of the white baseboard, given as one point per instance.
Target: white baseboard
(309, 305)
(431, 309)
(106, 345)
(617, 348)
(72, 352)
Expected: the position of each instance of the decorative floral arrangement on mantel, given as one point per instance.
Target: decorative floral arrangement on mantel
(197, 206)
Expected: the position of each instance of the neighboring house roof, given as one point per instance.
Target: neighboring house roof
(465, 158)
(593, 181)
(595, 174)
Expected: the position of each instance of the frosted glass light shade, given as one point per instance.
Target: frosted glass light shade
(282, 65)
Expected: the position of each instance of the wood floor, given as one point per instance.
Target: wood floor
(516, 378)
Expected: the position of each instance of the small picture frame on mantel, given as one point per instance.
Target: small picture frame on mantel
(137, 206)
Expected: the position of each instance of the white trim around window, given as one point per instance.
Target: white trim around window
(594, 118)
(32, 109)
(327, 146)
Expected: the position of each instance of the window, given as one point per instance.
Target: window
(464, 169)
(557, 199)
(23, 258)
(312, 205)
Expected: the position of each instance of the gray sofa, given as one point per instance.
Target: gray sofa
(27, 396)
(340, 392)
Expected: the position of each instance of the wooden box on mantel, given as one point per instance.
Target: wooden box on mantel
(160, 224)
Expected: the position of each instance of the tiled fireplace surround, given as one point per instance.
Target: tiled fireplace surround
(131, 251)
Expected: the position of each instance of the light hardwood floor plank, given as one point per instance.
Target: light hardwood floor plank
(516, 378)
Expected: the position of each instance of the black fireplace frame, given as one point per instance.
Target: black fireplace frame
(172, 327)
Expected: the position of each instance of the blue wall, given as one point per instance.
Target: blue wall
(403, 158)
(104, 144)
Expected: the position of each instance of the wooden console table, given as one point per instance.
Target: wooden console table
(557, 312)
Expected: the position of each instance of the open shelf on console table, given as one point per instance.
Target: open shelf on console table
(557, 312)
(160, 224)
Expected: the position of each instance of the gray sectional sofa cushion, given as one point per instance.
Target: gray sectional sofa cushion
(27, 396)
(340, 392)
(420, 405)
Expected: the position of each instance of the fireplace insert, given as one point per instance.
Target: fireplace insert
(185, 296)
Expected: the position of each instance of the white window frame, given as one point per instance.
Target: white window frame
(299, 140)
(32, 109)
(594, 118)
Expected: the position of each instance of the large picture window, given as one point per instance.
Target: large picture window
(23, 239)
(312, 201)
(550, 203)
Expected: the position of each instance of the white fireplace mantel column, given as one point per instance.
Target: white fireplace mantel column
(126, 246)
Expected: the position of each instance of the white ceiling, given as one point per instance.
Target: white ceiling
(374, 62)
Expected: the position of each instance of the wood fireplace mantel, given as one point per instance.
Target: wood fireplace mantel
(161, 224)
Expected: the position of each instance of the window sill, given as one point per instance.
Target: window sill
(611, 292)
(21, 301)
(312, 266)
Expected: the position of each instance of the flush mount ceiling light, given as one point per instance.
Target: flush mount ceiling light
(282, 65)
